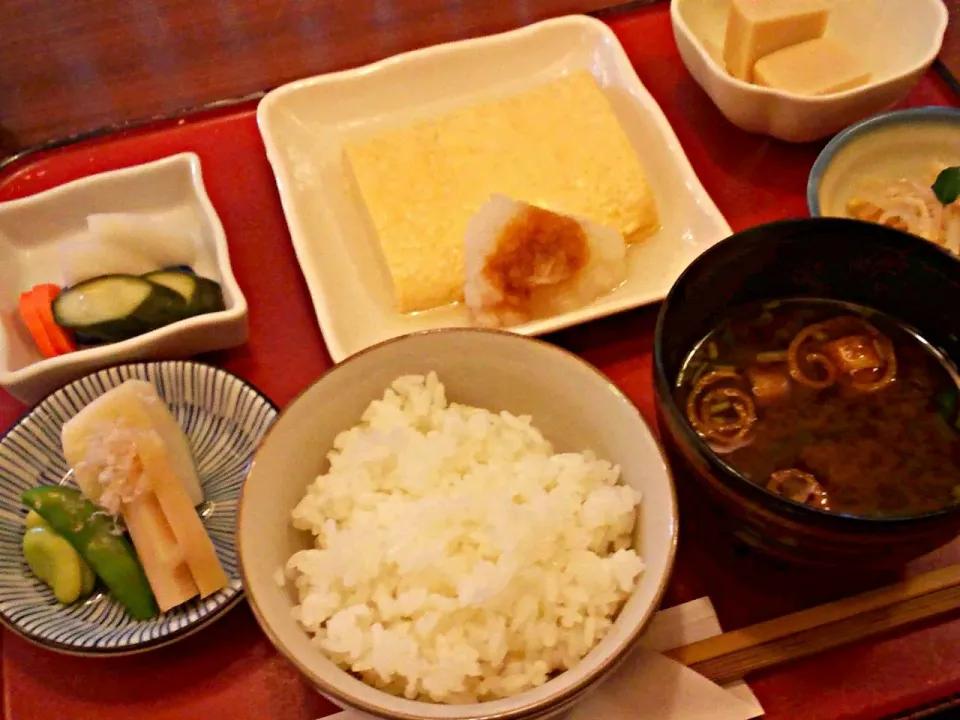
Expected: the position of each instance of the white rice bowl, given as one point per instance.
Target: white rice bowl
(457, 558)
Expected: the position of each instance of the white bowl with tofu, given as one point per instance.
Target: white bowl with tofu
(131, 222)
(159, 451)
(824, 64)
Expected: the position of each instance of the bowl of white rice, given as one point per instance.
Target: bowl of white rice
(457, 524)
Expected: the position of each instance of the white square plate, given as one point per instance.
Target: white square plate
(305, 125)
(31, 230)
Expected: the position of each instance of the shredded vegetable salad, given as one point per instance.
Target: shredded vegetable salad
(913, 206)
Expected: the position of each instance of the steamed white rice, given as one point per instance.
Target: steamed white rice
(457, 557)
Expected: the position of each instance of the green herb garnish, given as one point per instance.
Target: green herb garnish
(947, 185)
(946, 403)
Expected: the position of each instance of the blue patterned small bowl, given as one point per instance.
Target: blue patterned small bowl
(225, 420)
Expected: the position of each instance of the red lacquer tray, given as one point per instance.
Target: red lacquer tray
(230, 671)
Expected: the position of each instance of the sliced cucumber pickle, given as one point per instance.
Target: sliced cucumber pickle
(200, 294)
(117, 307)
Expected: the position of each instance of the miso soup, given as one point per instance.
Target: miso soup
(828, 404)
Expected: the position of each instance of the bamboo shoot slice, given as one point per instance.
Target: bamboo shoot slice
(174, 439)
(162, 559)
(186, 525)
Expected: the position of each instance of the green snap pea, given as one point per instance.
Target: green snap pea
(108, 553)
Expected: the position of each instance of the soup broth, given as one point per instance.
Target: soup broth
(830, 405)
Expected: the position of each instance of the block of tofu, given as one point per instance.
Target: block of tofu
(815, 67)
(756, 28)
(559, 145)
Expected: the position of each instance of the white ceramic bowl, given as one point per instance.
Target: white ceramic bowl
(575, 407)
(897, 39)
(30, 232)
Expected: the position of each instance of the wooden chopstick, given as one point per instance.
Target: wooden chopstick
(732, 655)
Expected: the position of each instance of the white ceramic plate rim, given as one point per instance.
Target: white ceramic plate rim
(632, 84)
(209, 320)
(680, 24)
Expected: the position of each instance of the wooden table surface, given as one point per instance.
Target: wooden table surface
(104, 62)
(69, 67)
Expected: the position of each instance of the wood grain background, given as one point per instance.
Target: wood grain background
(69, 67)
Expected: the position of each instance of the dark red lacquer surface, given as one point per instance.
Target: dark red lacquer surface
(230, 671)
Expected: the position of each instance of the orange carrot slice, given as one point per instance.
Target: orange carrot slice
(45, 295)
(31, 318)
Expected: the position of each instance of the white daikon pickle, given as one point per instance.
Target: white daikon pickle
(86, 256)
(168, 238)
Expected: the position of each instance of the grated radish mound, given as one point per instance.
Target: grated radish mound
(457, 557)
